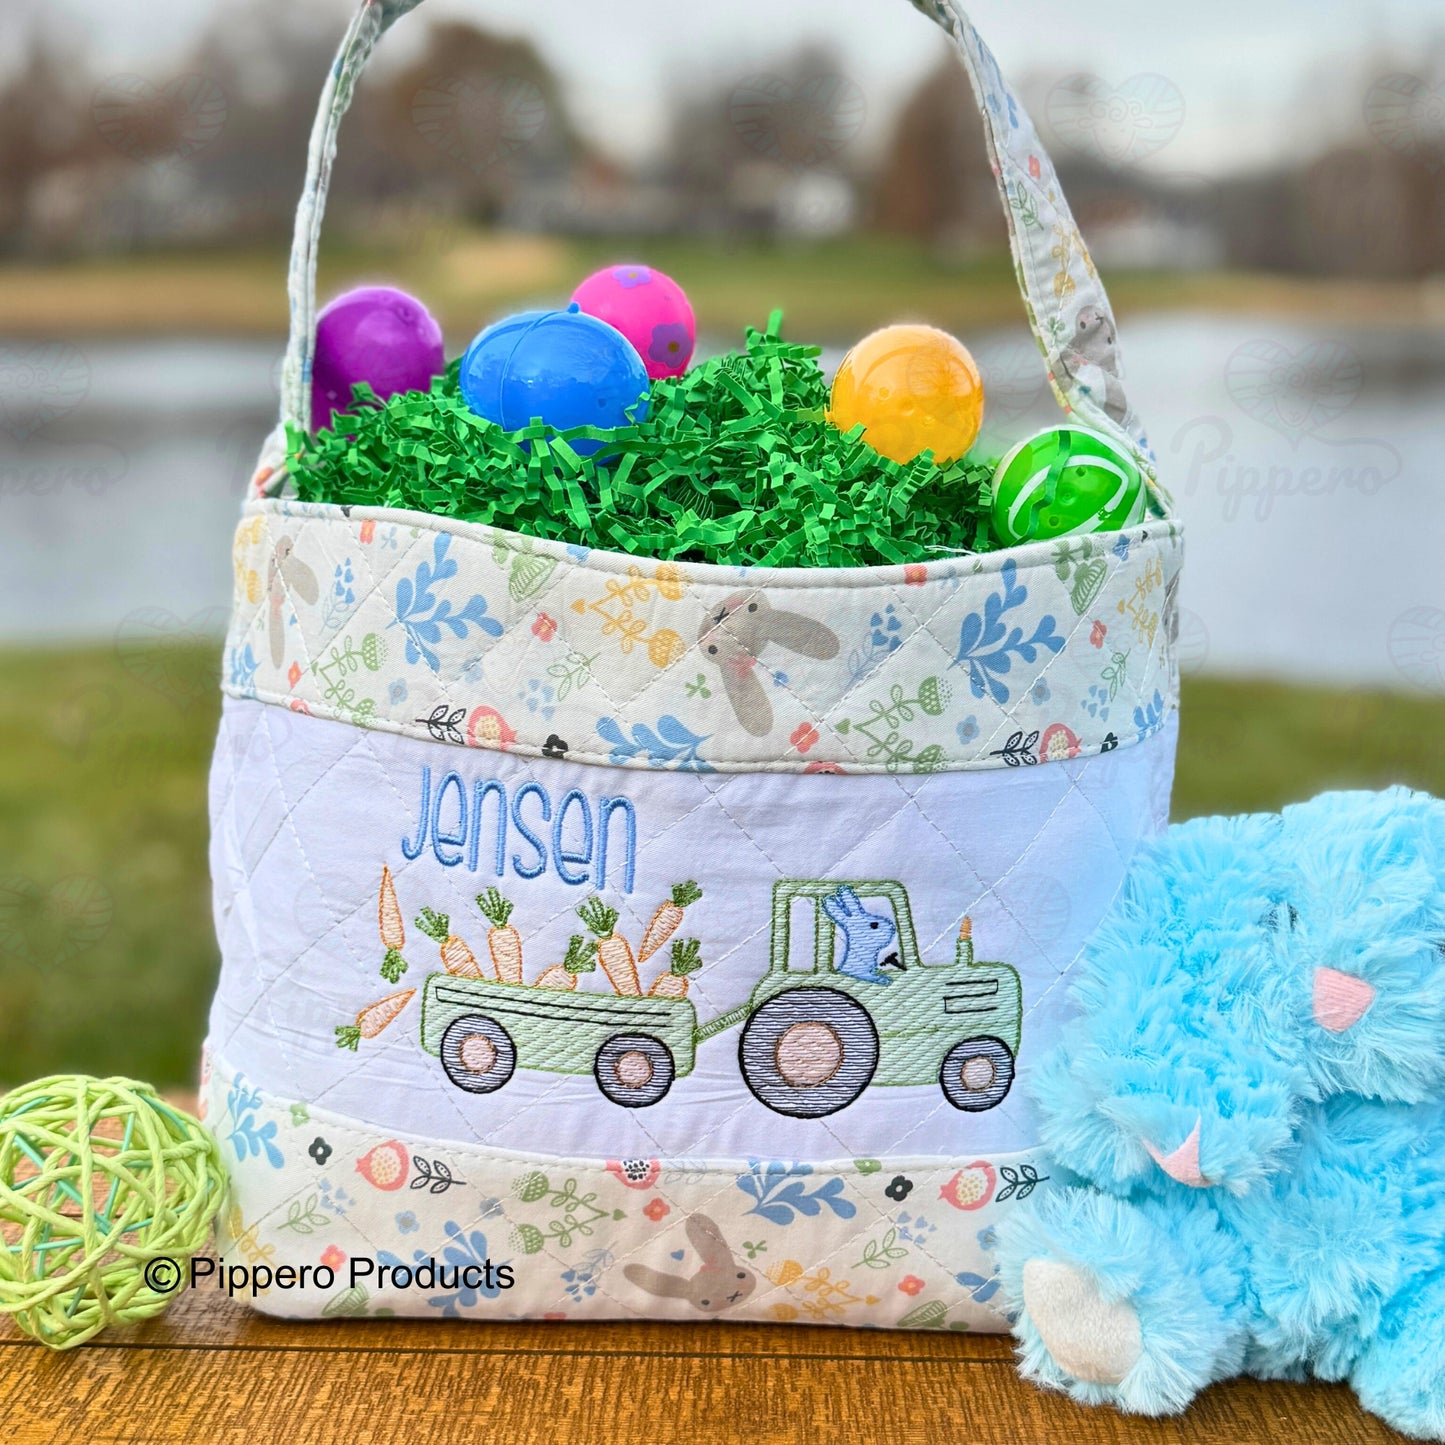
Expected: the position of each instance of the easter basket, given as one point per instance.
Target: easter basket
(606, 937)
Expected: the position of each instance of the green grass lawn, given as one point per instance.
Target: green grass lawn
(107, 960)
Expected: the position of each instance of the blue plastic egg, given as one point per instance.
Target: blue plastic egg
(566, 367)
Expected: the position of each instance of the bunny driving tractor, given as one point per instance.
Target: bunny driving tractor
(858, 1007)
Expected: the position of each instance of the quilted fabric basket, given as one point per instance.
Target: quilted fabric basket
(836, 835)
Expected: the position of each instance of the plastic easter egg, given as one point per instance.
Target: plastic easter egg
(566, 367)
(374, 334)
(649, 308)
(1064, 482)
(915, 388)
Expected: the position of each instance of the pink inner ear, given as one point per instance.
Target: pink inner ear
(1340, 999)
(1183, 1164)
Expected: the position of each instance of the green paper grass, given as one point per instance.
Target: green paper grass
(734, 464)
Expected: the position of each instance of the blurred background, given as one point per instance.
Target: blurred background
(1263, 189)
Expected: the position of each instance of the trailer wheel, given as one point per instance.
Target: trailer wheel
(634, 1070)
(977, 1074)
(809, 1052)
(478, 1054)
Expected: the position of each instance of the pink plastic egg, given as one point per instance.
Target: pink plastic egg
(649, 308)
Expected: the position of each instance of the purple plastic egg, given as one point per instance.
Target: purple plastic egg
(374, 334)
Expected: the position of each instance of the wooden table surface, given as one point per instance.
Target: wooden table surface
(210, 1371)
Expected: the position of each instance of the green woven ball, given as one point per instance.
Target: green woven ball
(99, 1180)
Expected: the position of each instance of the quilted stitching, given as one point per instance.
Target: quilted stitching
(896, 628)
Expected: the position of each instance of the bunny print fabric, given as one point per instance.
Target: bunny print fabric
(489, 639)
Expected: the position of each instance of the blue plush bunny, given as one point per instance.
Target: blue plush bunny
(1252, 1102)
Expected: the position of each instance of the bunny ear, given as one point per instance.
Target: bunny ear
(300, 579)
(748, 699)
(835, 910)
(663, 1286)
(798, 633)
(850, 900)
(707, 1239)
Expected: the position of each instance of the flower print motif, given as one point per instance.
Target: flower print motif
(656, 1209)
(320, 1150)
(805, 736)
(247, 1137)
(823, 768)
(293, 673)
(1121, 548)
(1040, 691)
(544, 627)
(1035, 170)
(243, 666)
(910, 1284)
(670, 343)
(754, 1247)
(1109, 744)
(636, 1173)
(1097, 633)
(968, 729)
(915, 574)
(490, 1208)
(899, 1188)
(487, 728)
(554, 747)
(397, 691)
(332, 1257)
(1059, 740)
(987, 644)
(299, 1115)
(472, 670)
(629, 277)
(368, 530)
(407, 1222)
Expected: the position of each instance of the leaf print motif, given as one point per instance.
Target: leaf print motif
(436, 1177)
(672, 743)
(444, 724)
(422, 615)
(779, 1192)
(1018, 750)
(987, 646)
(1019, 1182)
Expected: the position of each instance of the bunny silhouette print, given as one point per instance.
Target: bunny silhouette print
(286, 571)
(719, 1282)
(736, 631)
(865, 936)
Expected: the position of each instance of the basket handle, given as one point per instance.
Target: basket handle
(1068, 310)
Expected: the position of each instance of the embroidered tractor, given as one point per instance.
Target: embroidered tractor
(816, 1031)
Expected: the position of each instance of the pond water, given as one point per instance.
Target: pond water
(1304, 459)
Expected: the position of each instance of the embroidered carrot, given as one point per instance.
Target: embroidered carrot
(392, 929)
(614, 953)
(373, 1019)
(686, 959)
(503, 942)
(667, 919)
(581, 958)
(457, 958)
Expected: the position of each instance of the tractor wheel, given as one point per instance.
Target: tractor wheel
(634, 1070)
(809, 1052)
(478, 1054)
(977, 1074)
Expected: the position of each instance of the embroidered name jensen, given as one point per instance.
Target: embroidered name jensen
(453, 819)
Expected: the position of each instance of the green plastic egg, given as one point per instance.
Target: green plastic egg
(1064, 482)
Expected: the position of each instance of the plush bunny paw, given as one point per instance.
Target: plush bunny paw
(1087, 1336)
(1132, 1303)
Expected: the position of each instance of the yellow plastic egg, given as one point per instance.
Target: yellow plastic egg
(915, 388)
